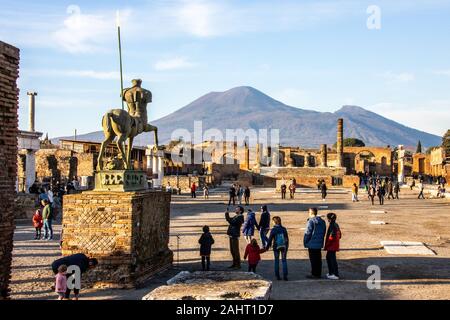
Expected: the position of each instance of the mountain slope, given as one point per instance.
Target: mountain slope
(246, 107)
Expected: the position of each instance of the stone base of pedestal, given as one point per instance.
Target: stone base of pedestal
(128, 232)
(213, 285)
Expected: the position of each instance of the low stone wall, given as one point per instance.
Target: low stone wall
(128, 232)
(25, 205)
(349, 180)
(185, 182)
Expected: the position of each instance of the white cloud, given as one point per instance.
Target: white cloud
(402, 77)
(198, 17)
(443, 72)
(173, 64)
(87, 33)
(432, 116)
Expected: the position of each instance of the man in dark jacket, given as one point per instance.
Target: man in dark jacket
(279, 241)
(232, 193)
(313, 240)
(80, 260)
(264, 225)
(234, 232)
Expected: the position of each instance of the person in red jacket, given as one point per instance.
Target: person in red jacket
(332, 246)
(253, 251)
(193, 190)
(37, 224)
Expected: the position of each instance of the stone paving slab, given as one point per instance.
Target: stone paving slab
(406, 247)
(378, 222)
(213, 285)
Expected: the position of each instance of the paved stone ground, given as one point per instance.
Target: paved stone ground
(403, 277)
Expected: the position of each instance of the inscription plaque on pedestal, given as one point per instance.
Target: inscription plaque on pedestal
(120, 180)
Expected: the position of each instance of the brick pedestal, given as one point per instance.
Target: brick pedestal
(128, 232)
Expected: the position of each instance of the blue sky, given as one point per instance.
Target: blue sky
(310, 54)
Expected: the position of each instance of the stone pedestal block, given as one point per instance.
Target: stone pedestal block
(128, 232)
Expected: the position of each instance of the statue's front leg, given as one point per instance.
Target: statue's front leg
(150, 128)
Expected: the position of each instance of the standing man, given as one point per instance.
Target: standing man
(47, 216)
(292, 190)
(232, 194)
(390, 190)
(421, 188)
(323, 190)
(264, 225)
(283, 191)
(313, 241)
(234, 232)
(247, 195)
(279, 240)
(396, 190)
(240, 193)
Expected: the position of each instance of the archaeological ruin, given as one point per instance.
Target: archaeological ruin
(9, 92)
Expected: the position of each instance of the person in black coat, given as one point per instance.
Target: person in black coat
(234, 232)
(80, 260)
(232, 193)
(264, 225)
(206, 241)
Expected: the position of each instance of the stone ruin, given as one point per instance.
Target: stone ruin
(213, 285)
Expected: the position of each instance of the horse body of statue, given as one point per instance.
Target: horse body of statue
(126, 125)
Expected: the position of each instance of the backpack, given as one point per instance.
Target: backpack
(51, 214)
(280, 241)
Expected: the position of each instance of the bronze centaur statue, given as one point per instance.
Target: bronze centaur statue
(127, 125)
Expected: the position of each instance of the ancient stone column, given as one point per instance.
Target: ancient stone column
(149, 161)
(31, 111)
(275, 156)
(306, 162)
(258, 156)
(340, 143)
(30, 169)
(323, 155)
(161, 168)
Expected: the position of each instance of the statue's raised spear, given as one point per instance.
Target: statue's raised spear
(120, 57)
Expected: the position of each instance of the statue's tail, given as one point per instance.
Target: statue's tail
(106, 122)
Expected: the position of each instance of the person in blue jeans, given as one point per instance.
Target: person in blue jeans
(313, 241)
(47, 216)
(279, 241)
(264, 225)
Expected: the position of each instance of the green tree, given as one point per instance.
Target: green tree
(419, 147)
(352, 142)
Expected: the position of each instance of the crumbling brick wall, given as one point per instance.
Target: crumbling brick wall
(63, 164)
(9, 72)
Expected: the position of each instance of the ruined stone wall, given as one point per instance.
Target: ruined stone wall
(85, 164)
(349, 180)
(305, 177)
(9, 95)
(185, 182)
(225, 171)
(128, 232)
(25, 204)
(421, 164)
(63, 164)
